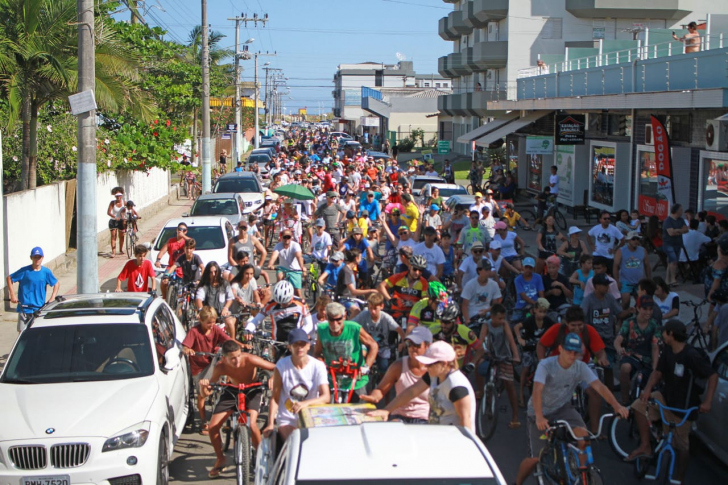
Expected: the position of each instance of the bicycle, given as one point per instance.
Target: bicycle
(311, 288)
(132, 236)
(696, 337)
(552, 209)
(562, 462)
(340, 369)
(623, 434)
(179, 299)
(579, 397)
(486, 418)
(663, 449)
(237, 428)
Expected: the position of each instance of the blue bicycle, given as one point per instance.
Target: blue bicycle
(664, 469)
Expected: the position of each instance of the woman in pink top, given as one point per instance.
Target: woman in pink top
(402, 374)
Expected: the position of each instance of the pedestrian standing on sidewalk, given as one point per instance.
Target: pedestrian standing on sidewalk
(673, 227)
(32, 282)
(605, 239)
(116, 221)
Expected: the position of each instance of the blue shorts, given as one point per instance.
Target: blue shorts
(630, 288)
(511, 259)
(671, 252)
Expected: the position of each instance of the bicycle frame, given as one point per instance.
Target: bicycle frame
(341, 368)
(241, 411)
(665, 445)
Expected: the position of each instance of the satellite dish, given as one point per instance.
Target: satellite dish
(400, 56)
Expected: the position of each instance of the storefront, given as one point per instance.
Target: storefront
(609, 177)
(649, 202)
(713, 196)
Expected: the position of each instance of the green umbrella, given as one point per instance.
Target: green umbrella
(295, 192)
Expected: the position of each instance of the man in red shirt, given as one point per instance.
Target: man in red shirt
(137, 272)
(329, 184)
(204, 337)
(593, 345)
(176, 248)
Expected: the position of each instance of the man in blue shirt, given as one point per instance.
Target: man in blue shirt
(371, 204)
(529, 288)
(33, 280)
(330, 276)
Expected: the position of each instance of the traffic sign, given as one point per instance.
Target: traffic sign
(443, 146)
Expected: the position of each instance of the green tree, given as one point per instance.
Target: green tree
(39, 64)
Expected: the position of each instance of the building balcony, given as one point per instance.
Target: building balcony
(488, 55)
(633, 9)
(479, 12)
(453, 65)
(456, 22)
(443, 29)
(456, 104)
(451, 1)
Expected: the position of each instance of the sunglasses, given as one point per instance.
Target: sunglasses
(477, 251)
(242, 227)
(336, 319)
(417, 269)
(404, 232)
(287, 237)
(181, 229)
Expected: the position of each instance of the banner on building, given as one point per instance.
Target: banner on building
(565, 155)
(369, 121)
(570, 129)
(539, 145)
(665, 187)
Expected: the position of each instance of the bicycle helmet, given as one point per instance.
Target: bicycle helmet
(437, 291)
(283, 292)
(418, 262)
(448, 311)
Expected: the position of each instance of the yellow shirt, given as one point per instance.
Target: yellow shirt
(411, 216)
(512, 219)
(362, 222)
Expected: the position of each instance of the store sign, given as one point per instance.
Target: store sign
(565, 155)
(369, 121)
(598, 32)
(570, 129)
(539, 145)
(650, 206)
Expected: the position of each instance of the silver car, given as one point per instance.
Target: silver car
(711, 427)
(228, 205)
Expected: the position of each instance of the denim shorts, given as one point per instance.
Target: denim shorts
(671, 252)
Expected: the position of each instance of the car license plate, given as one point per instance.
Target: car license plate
(48, 480)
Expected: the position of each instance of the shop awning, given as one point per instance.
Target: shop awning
(487, 128)
(511, 127)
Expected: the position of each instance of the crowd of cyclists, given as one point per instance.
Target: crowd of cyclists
(414, 301)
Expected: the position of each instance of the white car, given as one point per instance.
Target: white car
(391, 453)
(212, 235)
(446, 190)
(246, 184)
(96, 390)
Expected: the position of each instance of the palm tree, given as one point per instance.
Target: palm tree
(39, 64)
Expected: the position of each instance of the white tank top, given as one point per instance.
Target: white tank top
(418, 407)
(116, 210)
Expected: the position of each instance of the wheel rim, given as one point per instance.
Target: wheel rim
(163, 477)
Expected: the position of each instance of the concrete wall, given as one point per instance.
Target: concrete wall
(38, 217)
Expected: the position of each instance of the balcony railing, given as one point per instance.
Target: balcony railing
(640, 52)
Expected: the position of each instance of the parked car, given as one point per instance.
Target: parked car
(377, 155)
(390, 453)
(710, 427)
(96, 390)
(419, 181)
(228, 205)
(339, 135)
(460, 201)
(246, 184)
(446, 190)
(212, 235)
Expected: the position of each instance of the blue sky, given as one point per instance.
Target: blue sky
(311, 37)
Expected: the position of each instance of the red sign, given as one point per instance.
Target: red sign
(664, 163)
(650, 206)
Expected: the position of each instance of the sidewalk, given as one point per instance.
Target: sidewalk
(109, 268)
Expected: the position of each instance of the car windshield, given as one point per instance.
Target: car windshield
(214, 207)
(206, 237)
(449, 192)
(77, 353)
(236, 185)
(260, 158)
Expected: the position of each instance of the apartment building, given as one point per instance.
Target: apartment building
(495, 40)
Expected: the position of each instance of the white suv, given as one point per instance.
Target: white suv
(95, 391)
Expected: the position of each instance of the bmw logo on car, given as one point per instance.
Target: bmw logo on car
(50, 430)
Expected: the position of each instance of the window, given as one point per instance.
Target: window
(437, 85)
(379, 78)
(163, 334)
(427, 85)
(715, 194)
(679, 128)
(552, 28)
(648, 174)
(206, 237)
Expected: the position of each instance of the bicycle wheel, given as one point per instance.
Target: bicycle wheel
(487, 418)
(528, 216)
(593, 477)
(242, 455)
(547, 470)
(172, 297)
(130, 243)
(307, 289)
(623, 436)
(560, 220)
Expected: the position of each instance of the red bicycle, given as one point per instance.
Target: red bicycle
(237, 426)
(340, 369)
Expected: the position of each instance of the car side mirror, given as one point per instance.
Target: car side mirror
(172, 359)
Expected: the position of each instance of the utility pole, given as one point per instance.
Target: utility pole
(206, 165)
(87, 272)
(269, 85)
(256, 137)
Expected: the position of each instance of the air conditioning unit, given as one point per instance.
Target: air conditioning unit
(716, 134)
(649, 138)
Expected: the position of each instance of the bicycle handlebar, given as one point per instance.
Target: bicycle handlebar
(240, 387)
(561, 423)
(693, 304)
(674, 410)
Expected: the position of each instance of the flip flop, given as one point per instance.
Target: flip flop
(216, 471)
(205, 430)
(514, 425)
